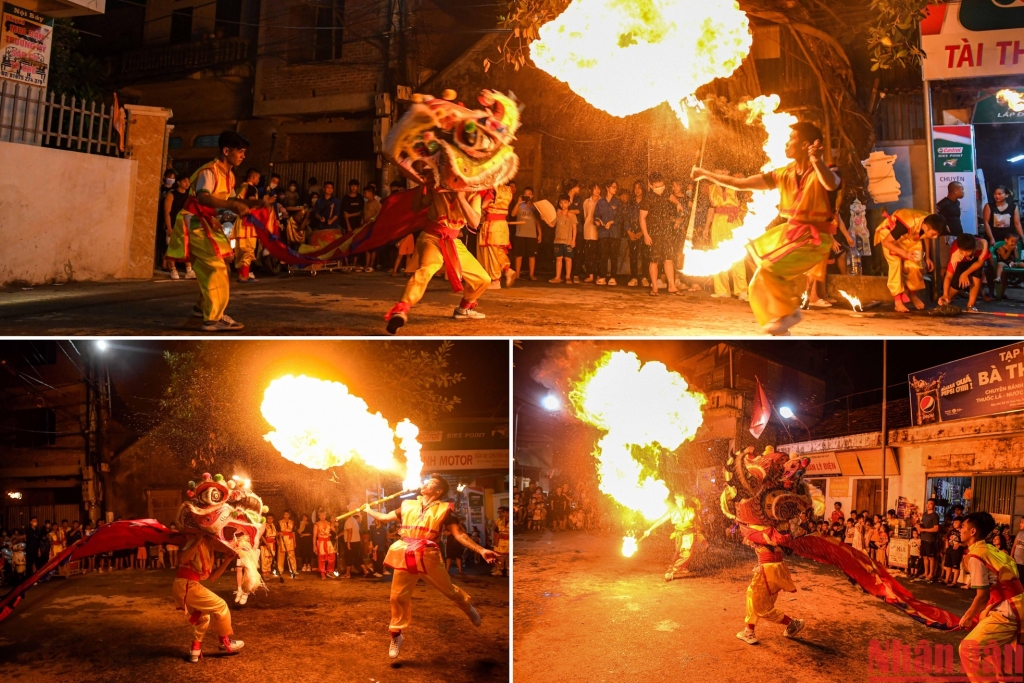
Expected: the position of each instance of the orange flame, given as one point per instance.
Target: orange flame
(854, 301)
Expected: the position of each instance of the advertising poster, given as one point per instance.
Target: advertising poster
(972, 38)
(25, 40)
(953, 156)
(988, 383)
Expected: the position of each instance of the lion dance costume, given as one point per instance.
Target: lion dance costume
(763, 494)
(1001, 621)
(219, 516)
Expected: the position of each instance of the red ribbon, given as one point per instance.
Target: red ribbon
(797, 231)
(729, 211)
(414, 550)
(1004, 590)
(206, 216)
(452, 267)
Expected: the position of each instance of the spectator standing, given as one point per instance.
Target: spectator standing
(34, 536)
(313, 187)
(638, 255)
(453, 551)
(837, 513)
(379, 539)
(274, 186)
(564, 240)
(657, 221)
(914, 556)
(929, 530)
(1002, 216)
(328, 210)
(291, 199)
(351, 539)
(608, 233)
(528, 234)
(352, 205)
(304, 544)
(589, 253)
(371, 207)
(953, 555)
(172, 203)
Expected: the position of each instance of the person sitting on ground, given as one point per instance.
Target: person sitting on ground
(964, 272)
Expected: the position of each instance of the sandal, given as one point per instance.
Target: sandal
(654, 292)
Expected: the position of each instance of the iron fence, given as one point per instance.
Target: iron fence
(29, 116)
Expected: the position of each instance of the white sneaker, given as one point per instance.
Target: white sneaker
(396, 646)
(661, 284)
(225, 324)
(474, 616)
(468, 314)
(631, 283)
(747, 637)
(397, 321)
(645, 282)
(196, 652)
(612, 282)
(510, 277)
(230, 644)
(242, 600)
(743, 296)
(174, 274)
(190, 274)
(575, 279)
(252, 278)
(601, 281)
(795, 626)
(780, 326)
(238, 595)
(495, 284)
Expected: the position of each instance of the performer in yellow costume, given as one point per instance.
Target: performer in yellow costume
(724, 217)
(501, 538)
(687, 533)
(788, 251)
(771, 577)
(902, 238)
(286, 547)
(268, 550)
(493, 241)
(323, 545)
(202, 606)
(999, 604)
(244, 235)
(439, 245)
(416, 554)
(198, 235)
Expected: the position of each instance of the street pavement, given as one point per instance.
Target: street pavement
(354, 304)
(583, 612)
(122, 627)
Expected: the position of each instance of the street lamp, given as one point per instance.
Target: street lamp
(101, 344)
(787, 413)
(550, 403)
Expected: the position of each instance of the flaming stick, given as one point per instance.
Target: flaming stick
(696, 190)
(379, 501)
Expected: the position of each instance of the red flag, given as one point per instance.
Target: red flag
(762, 412)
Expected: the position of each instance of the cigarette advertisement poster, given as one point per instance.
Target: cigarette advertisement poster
(988, 383)
(25, 40)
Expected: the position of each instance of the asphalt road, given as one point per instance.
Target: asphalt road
(122, 627)
(354, 304)
(583, 612)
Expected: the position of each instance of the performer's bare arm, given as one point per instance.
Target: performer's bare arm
(710, 220)
(826, 176)
(380, 516)
(466, 542)
(846, 233)
(664, 518)
(890, 244)
(216, 573)
(976, 608)
(472, 215)
(168, 200)
(233, 205)
(754, 182)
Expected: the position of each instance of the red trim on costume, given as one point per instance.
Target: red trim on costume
(449, 253)
(414, 551)
(400, 307)
(205, 214)
(186, 573)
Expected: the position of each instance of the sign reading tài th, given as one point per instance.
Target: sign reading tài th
(972, 38)
(988, 383)
(25, 40)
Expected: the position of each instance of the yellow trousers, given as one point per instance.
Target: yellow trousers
(734, 280)
(769, 580)
(403, 583)
(202, 608)
(285, 554)
(428, 252)
(245, 251)
(494, 260)
(266, 559)
(904, 274)
(982, 652)
(685, 546)
(774, 289)
(211, 274)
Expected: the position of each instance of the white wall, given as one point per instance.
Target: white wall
(62, 212)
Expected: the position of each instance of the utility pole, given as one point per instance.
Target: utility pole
(97, 471)
(885, 431)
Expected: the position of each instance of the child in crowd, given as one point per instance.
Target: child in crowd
(565, 240)
(914, 559)
(953, 555)
(1005, 255)
(966, 260)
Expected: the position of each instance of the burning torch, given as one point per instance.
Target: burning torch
(380, 501)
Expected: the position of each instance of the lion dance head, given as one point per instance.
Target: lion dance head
(231, 513)
(764, 492)
(460, 148)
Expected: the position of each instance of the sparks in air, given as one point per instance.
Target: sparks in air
(319, 424)
(664, 49)
(1013, 100)
(639, 407)
(854, 301)
(763, 206)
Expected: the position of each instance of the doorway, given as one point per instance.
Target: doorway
(867, 495)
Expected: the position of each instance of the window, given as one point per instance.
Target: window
(181, 25)
(32, 428)
(327, 37)
(175, 143)
(206, 141)
(229, 18)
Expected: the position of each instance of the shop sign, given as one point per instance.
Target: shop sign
(899, 552)
(973, 38)
(988, 383)
(995, 109)
(953, 159)
(25, 40)
(465, 460)
(823, 465)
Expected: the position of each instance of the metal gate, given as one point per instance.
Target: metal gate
(337, 172)
(18, 516)
(995, 494)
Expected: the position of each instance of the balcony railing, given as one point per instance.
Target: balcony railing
(173, 60)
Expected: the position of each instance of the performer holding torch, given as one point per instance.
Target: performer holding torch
(416, 554)
(787, 251)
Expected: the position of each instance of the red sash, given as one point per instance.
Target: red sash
(186, 573)
(206, 216)
(452, 267)
(496, 217)
(1004, 590)
(764, 555)
(414, 551)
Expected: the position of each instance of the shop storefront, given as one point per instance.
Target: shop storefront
(973, 81)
